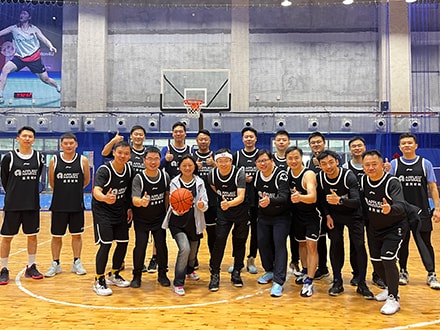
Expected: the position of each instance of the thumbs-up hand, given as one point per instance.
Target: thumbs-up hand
(169, 156)
(264, 201)
(387, 165)
(117, 138)
(386, 208)
(110, 198)
(332, 198)
(199, 163)
(224, 204)
(210, 161)
(295, 197)
(145, 200)
(200, 203)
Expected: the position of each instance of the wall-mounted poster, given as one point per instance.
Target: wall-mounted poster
(30, 54)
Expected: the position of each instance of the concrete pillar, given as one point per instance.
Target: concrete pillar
(92, 56)
(399, 57)
(240, 55)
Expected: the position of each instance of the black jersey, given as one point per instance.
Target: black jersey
(280, 162)
(137, 160)
(156, 189)
(412, 176)
(107, 178)
(346, 186)
(298, 183)
(373, 193)
(172, 168)
(276, 188)
(227, 187)
(20, 175)
(204, 174)
(68, 184)
(357, 170)
(246, 160)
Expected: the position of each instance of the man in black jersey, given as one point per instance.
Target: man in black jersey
(417, 177)
(229, 182)
(20, 174)
(205, 162)
(246, 158)
(317, 145)
(69, 173)
(111, 215)
(338, 193)
(357, 148)
(172, 153)
(150, 193)
(384, 206)
(137, 138)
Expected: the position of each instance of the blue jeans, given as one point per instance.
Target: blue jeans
(186, 257)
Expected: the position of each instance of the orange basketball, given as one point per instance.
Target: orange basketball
(181, 200)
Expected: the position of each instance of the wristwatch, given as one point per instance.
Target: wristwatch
(341, 201)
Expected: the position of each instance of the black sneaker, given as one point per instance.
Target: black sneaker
(336, 289)
(152, 266)
(300, 279)
(4, 276)
(354, 281)
(321, 273)
(378, 281)
(163, 279)
(363, 290)
(32, 272)
(137, 279)
(236, 279)
(144, 269)
(214, 283)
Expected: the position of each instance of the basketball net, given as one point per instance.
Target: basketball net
(193, 107)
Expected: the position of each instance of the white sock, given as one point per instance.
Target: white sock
(5, 262)
(31, 259)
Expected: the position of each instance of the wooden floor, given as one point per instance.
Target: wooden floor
(67, 300)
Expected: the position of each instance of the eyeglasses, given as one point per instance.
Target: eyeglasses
(148, 159)
(261, 161)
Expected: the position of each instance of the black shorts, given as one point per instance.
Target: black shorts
(35, 66)
(29, 220)
(106, 233)
(60, 221)
(385, 245)
(307, 226)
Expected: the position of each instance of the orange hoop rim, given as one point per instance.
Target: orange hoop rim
(193, 103)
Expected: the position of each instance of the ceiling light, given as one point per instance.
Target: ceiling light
(286, 3)
(410, 1)
(347, 2)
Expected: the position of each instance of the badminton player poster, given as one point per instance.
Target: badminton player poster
(30, 55)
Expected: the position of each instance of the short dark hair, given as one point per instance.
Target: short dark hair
(356, 138)
(122, 143)
(315, 134)
(179, 123)
(68, 135)
(249, 129)
(294, 148)
(25, 128)
(189, 156)
(407, 135)
(136, 127)
(327, 153)
(152, 150)
(203, 131)
(372, 152)
(264, 152)
(282, 132)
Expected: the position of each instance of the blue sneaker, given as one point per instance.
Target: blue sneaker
(277, 290)
(266, 278)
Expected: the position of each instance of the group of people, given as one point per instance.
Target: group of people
(272, 196)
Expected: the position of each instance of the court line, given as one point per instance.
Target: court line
(415, 325)
(30, 293)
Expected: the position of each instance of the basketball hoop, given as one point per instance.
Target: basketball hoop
(193, 107)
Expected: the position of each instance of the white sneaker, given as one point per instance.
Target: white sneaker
(391, 306)
(53, 270)
(179, 290)
(382, 296)
(403, 277)
(193, 276)
(117, 280)
(307, 290)
(78, 268)
(433, 282)
(101, 289)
